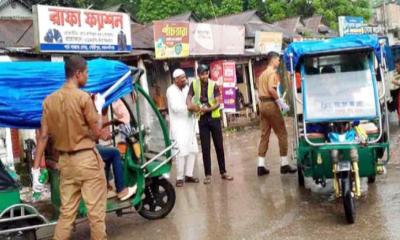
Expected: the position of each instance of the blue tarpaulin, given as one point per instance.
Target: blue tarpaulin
(350, 42)
(24, 86)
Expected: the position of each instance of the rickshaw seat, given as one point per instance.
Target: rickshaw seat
(315, 135)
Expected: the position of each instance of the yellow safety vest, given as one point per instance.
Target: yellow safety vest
(210, 95)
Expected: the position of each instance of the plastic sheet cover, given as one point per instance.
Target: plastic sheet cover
(350, 42)
(25, 85)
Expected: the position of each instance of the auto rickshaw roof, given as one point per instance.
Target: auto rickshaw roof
(25, 85)
(340, 44)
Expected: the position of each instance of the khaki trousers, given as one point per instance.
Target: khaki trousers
(271, 118)
(82, 176)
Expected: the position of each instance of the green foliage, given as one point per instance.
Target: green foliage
(330, 10)
(150, 10)
(269, 10)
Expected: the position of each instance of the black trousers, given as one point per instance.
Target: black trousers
(207, 126)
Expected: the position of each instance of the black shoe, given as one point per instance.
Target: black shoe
(191, 179)
(262, 171)
(288, 169)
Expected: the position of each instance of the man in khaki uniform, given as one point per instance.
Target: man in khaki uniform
(70, 118)
(271, 106)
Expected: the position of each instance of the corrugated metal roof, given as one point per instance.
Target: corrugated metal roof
(289, 24)
(115, 8)
(186, 16)
(16, 33)
(4, 3)
(238, 18)
(316, 28)
(313, 23)
(142, 36)
(251, 29)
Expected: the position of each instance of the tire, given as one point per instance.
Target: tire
(26, 235)
(371, 179)
(158, 200)
(300, 175)
(381, 151)
(29, 235)
(348, 199)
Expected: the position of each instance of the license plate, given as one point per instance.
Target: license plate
(343, 166)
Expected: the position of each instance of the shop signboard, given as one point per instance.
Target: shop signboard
(171, 39)
(61, 29)
(229, 71)
(266, 42)
(212, 39)
(349, 25)
(229, 99)
(224, 73)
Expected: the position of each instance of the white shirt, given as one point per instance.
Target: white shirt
(182, 122)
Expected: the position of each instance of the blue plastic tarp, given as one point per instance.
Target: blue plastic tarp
(300, 49)
(24, 86)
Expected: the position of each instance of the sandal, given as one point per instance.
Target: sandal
(179, 183)
(225, 176)
(191, 179)
(207, 180)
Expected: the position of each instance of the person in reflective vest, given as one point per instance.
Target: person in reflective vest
(203, 100)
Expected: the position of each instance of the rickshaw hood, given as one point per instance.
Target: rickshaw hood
(24, 86)
(350, 42)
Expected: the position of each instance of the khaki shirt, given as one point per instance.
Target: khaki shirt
(267, 78)
(68, 112)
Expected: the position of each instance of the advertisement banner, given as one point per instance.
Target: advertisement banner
(224, 73)
(209, 39)
(60, 29)
(266, 42)
(216, 72)
(229, 96)
(229, 69)
(171, 39)
(349, 25)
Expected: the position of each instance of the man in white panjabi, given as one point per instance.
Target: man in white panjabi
(182, 128)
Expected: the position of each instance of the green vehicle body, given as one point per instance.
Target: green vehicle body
(136, 171)
(316, 162)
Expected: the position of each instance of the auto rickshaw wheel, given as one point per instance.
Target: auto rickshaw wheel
(348, 199)
(300, 175)
(20, 235)
(159, 199)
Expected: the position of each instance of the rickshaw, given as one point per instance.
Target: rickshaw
(341, 128)
(146, 147)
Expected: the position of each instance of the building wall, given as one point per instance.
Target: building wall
(392, 15)
(15, 10)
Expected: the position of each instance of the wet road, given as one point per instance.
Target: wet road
(270, 207)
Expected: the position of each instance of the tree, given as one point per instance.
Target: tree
(269, 10)
(330, 10)
(149, 10)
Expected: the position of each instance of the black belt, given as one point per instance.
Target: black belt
(76, 151)
(266, 99)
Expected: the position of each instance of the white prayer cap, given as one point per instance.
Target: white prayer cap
(178, 72)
